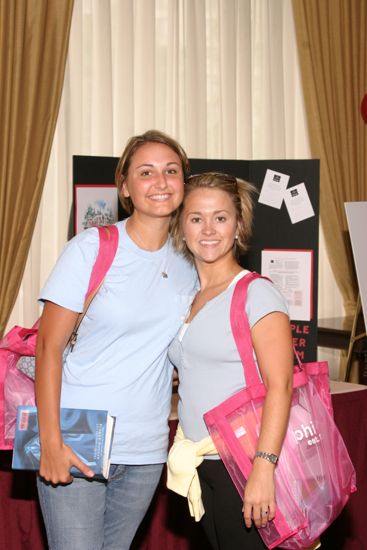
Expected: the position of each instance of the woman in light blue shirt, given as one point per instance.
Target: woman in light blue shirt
(119, 362)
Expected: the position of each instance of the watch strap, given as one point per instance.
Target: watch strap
(270, 457)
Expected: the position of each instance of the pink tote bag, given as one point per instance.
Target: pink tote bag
(314, 475)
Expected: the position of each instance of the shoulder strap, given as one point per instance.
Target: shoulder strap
(108, 243)
(241, 328)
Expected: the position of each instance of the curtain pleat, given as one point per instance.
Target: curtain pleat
(197, 69)
(33, 46)
(332, 40)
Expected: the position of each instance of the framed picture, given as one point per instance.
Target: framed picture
(95, 205)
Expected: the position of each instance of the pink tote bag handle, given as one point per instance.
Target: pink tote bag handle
(241, 328)
(242, 333)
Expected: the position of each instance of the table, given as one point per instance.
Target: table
(349, 531)
(334, 332)
(168, 525)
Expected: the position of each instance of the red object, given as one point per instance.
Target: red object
(364, 108)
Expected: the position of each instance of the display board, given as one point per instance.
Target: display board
(285, 238)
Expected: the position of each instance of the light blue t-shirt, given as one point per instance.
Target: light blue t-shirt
(119, 362)
(206, 356)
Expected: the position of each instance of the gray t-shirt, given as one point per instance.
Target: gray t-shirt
(206, 357)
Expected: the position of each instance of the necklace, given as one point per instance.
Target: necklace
(137, 235)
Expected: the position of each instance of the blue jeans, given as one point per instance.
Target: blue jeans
(91, 515)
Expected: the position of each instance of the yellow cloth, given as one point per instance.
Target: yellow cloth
(315, 545)
(182, 478)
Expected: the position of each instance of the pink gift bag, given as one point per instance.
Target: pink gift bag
(314, 475)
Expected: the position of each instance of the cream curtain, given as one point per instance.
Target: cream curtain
(222, 76)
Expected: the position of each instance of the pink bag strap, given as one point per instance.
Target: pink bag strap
(108, 243)
(242, 333)
(241, 328)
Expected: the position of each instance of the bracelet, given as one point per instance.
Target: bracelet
(270, 457)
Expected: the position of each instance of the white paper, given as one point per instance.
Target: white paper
(95, 205)
(273, 188)
(298, 203)
(291, 272)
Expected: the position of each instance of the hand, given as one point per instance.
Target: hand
(259, 497)
(56, 462)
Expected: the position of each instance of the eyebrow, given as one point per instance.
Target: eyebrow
(215, 212)
(152, 165)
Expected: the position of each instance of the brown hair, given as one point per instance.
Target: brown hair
(240, 192)
(151, 136)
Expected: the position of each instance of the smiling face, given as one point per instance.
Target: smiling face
(155, 180)
(209, 225)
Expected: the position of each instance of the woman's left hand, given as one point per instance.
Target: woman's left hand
(272, 341)
(259, 497)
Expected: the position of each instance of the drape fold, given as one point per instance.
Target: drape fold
(332, 43)
(221, 76)
(33, 46)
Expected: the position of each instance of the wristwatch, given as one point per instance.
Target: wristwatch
(268, 456)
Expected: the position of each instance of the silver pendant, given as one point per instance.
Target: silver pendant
(164, 275)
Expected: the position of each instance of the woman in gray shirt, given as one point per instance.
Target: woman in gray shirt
(213, 228)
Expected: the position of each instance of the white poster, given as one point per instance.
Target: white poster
(357, 223)
(291, 272)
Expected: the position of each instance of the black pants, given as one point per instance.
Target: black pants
(223, 520)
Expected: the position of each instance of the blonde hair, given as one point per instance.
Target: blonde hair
(240, 193)
(151, 136)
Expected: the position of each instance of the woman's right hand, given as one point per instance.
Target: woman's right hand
(55, 328)
(56, 462)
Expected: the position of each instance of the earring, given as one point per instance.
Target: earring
(183, 238)
(236, 237)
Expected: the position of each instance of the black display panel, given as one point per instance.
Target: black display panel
(272, 227)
